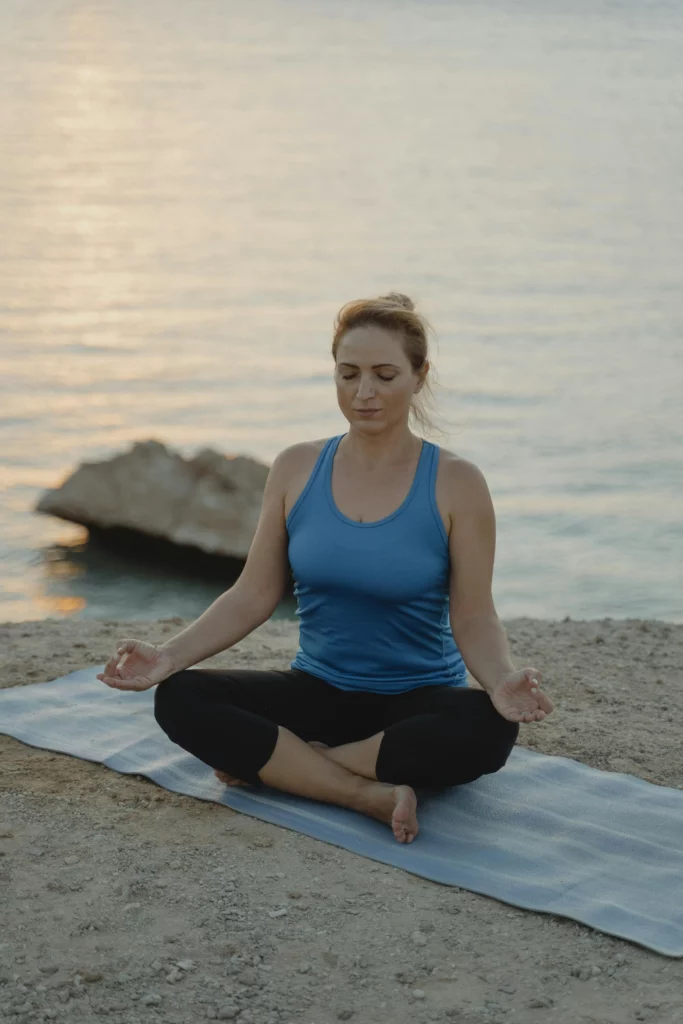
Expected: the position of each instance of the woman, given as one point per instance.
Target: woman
(391, 542)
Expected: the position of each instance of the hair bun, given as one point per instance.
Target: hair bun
(399, 299)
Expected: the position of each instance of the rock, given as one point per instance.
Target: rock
(211, 502)
(227, 1012)
(418, 993)
(91, 976)
(151, 999)
(419, 939)
(73, 859)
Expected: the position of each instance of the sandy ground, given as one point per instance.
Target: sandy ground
(121, 900)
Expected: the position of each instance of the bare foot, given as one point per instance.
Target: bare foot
(229, 780)
(397, 806)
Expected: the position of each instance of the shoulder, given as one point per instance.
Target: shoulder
(293, 466)
(465, 485)
(301, 455)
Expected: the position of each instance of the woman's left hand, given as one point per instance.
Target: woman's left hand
(519, 698)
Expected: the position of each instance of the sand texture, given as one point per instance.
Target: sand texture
(122, 901)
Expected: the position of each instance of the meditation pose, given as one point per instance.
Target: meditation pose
(391, 541)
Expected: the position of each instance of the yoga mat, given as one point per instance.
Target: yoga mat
(545, 833)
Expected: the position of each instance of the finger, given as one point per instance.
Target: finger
(111, 666)
(544, 701)
(123, 684)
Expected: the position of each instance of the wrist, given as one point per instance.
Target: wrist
(492, 684)
(173, 654)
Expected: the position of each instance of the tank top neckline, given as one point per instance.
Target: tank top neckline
(335, 442)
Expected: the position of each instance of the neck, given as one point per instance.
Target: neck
(377, 451)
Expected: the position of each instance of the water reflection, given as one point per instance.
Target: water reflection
(121, 574)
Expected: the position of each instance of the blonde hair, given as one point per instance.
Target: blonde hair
(395, 312)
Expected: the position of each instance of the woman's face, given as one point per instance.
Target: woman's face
(373, 372)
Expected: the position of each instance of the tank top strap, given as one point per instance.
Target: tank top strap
(425, 476)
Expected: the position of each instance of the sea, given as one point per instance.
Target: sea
(189, 192)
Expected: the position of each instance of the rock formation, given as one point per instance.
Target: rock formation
(211, 502)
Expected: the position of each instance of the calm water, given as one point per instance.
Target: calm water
(188, 193)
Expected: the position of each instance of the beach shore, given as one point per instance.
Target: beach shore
(122, 899)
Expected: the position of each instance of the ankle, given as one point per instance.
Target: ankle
(372, 796)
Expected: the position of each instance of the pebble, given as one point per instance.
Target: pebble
(91, 976)
(419, 939)
(73, 859)
(185, 965)
(151, 999)
(418, 993)
(227, 1012)
(277, 913)
(344, 1014)
(248, 977)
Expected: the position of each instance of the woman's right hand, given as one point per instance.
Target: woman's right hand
(137, 665)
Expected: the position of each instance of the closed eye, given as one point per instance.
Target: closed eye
(345, 376)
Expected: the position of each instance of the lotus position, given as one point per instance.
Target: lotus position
(390, 539)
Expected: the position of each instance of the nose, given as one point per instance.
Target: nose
(365, 389)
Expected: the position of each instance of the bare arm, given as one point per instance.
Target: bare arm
(477, 630)
(257, 592)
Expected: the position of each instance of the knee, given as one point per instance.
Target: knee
(501, 739)
(170, 699)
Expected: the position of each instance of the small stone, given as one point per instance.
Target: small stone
(6, 833)
(277, 913)
(509, 989)
(248, 977)
(540, 1003)
(174, 975)
(73, 859)
(418, 993)
(132, 906)
(185, 965)
(426, 926)
(262, 841)
(91, 976)
(418, 938)
(227, 1012)
(151, 999)
(344, 1014)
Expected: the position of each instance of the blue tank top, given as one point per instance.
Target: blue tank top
(373, 598)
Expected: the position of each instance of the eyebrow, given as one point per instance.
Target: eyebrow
(376, 366)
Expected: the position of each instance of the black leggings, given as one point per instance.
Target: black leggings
(433, 735)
